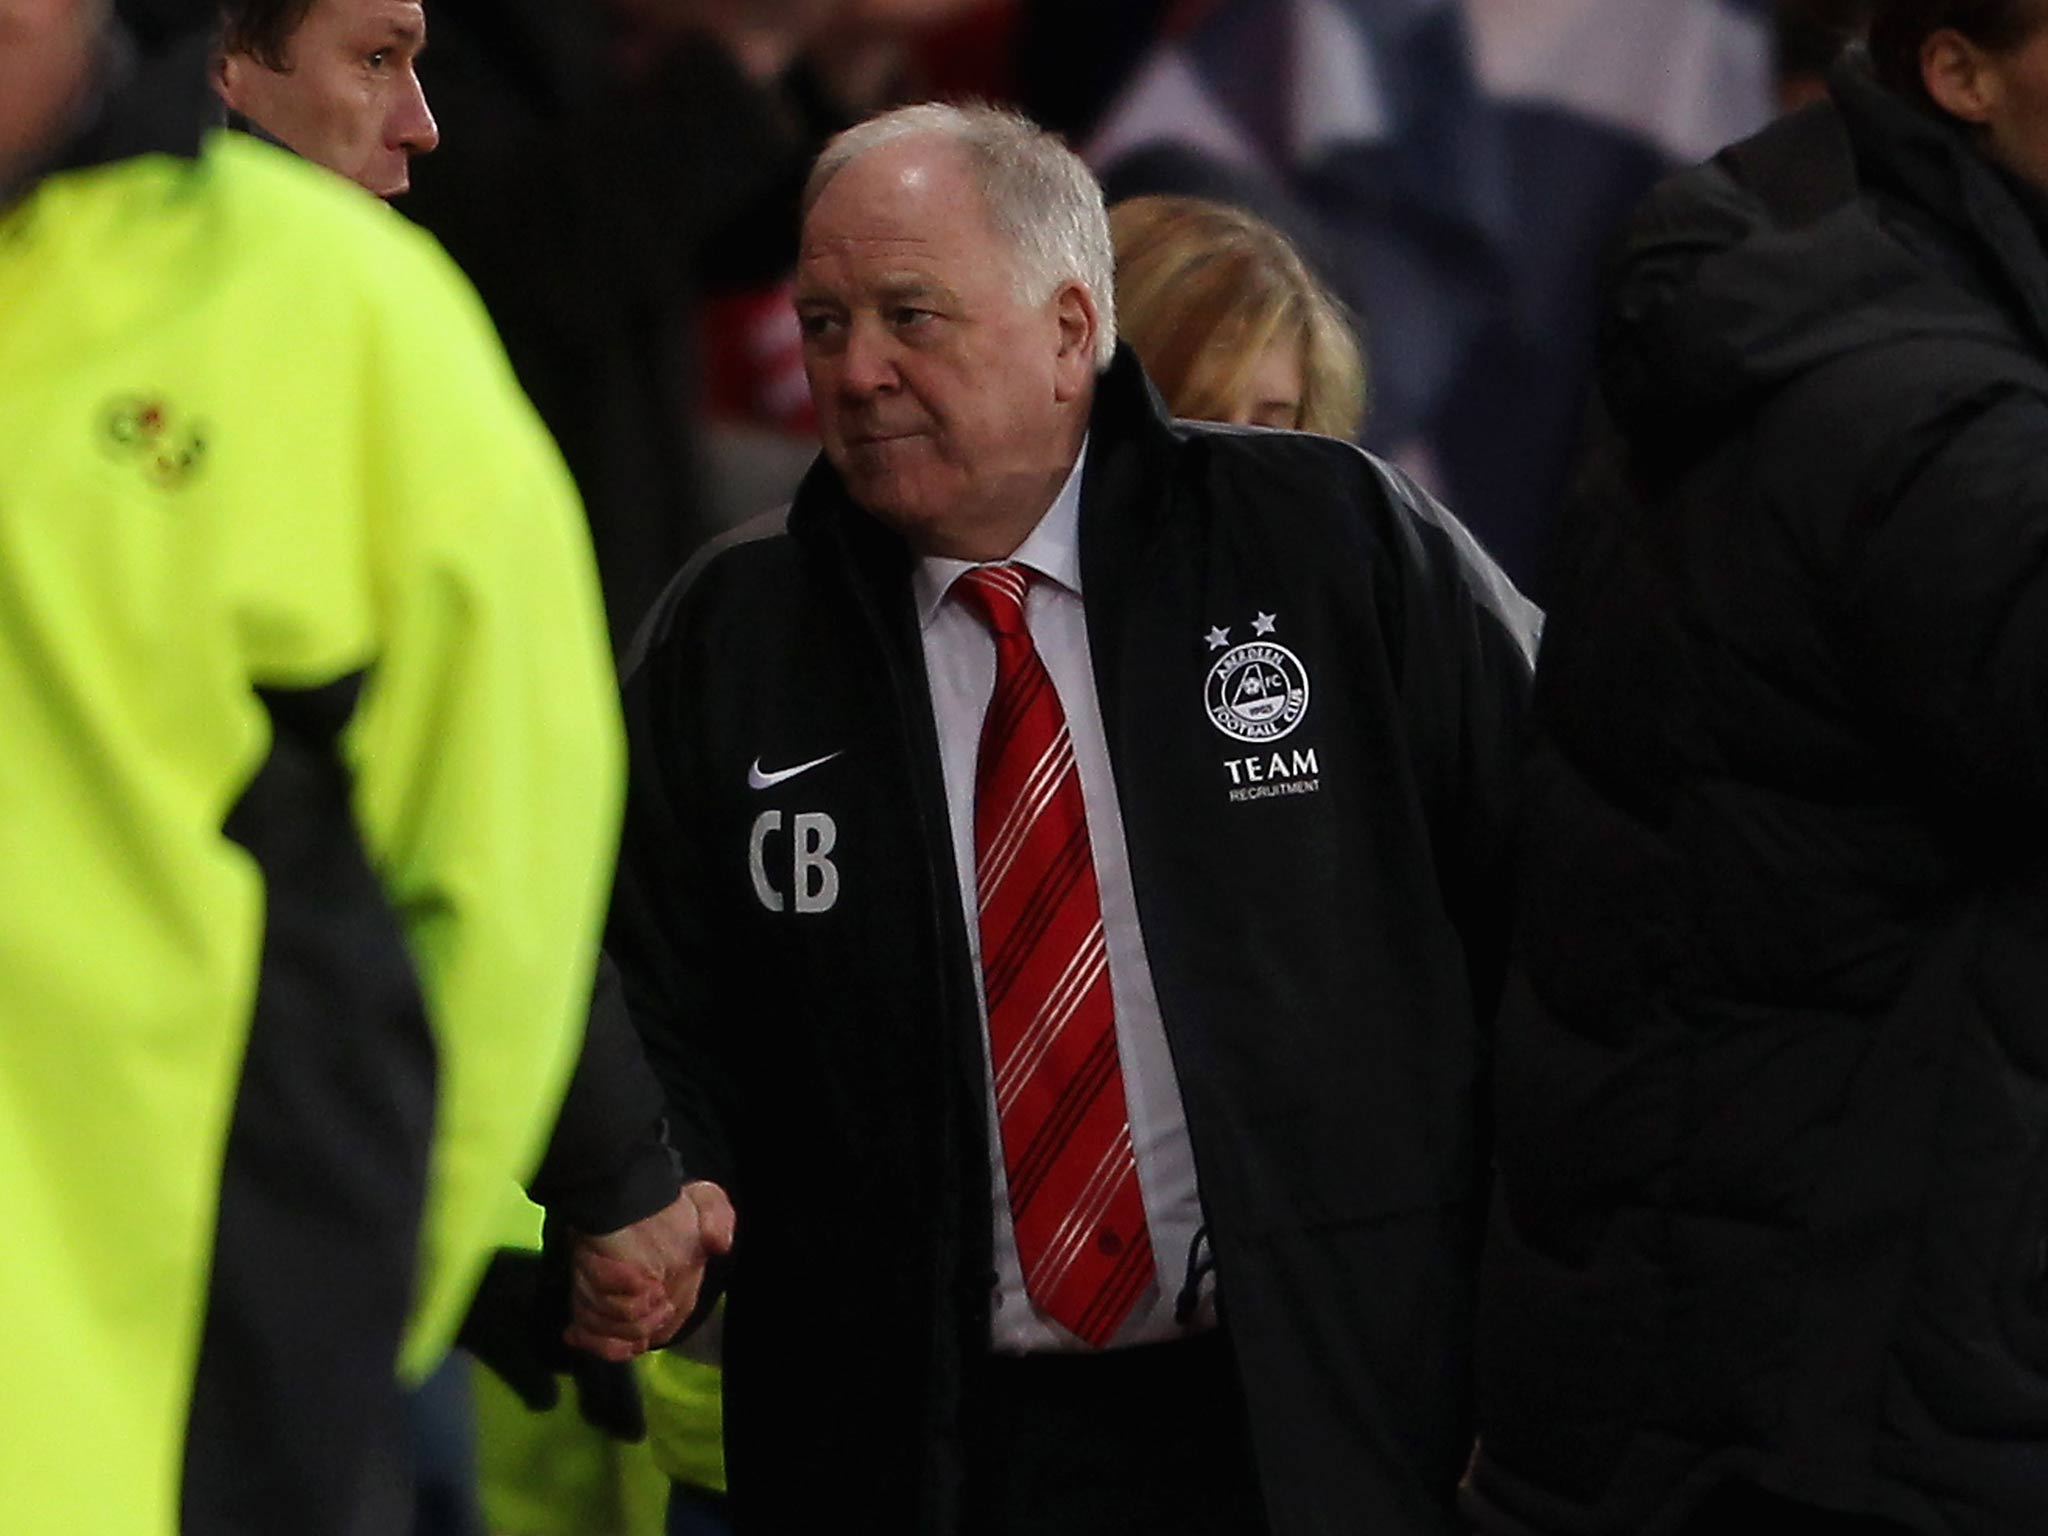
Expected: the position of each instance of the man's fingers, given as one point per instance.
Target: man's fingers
(576, 1336)
(628, 1315)
(636, 1331)
(637, 1310)
(635, 1336)
(684, 1306)
(608, 1276)
(716, 1222)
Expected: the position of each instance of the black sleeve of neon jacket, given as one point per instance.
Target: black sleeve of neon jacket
(659, 933)
(608, 1162)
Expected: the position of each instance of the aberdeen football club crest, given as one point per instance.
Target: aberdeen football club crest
(1257, 691)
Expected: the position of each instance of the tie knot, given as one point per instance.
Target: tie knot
(997, 591)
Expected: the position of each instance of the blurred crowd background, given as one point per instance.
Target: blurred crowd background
(619, 178)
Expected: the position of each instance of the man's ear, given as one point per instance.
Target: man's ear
(1960, 76)
(229, 70)
(1080, 324)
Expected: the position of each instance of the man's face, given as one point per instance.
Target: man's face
(46, 52)
(350, 98)
(2019, 125)
(950, 407)
(2003, 93)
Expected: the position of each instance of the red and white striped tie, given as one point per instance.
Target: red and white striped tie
(1073, 1179)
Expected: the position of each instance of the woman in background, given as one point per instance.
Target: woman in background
(1229, 322)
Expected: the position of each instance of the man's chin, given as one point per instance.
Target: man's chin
(386, 181)
(888, 504)
(888, 500)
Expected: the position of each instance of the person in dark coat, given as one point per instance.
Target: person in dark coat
(294, 72)
(1770, 1231)
(335, 82)
(1236, 932)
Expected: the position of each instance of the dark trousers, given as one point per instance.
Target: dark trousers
(1741, 1510)
(442, 1416)
(696, 1512)
(1150, 1441)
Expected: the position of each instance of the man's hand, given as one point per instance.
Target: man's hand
(635, 1287)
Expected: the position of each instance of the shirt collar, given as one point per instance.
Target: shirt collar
(1053, 550)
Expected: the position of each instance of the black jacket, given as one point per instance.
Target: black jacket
(1321, 960)
(1773, 1064)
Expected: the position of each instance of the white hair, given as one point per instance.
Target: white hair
(1040, 197)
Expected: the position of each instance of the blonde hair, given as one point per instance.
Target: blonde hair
(1204, 289)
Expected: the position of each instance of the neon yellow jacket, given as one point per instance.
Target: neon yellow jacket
(255, 433)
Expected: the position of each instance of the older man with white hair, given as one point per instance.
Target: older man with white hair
(1061, 897)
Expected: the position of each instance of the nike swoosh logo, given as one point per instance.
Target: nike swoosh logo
(756, 779)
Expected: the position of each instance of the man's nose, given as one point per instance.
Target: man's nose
(868, 364)
(411, 126)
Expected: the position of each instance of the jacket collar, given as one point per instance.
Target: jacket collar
(241, 123)
(1127, 498)
(1132, 443)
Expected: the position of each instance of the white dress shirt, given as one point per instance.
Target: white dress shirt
(960, 661)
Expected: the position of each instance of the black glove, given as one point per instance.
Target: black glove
(515, 1327)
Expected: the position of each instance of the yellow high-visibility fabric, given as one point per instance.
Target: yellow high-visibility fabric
(685, 1404)
(552, 1474)
(255, 432)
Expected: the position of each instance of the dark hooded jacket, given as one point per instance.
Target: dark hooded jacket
(1772, 1081)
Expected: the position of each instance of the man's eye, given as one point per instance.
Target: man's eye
(815, 325)
(909, 314)
(380, 58)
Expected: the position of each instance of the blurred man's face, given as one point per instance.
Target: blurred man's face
(46, 53)
(2019, 125)
(350, 96)
(2004, 94)
(949, 405)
